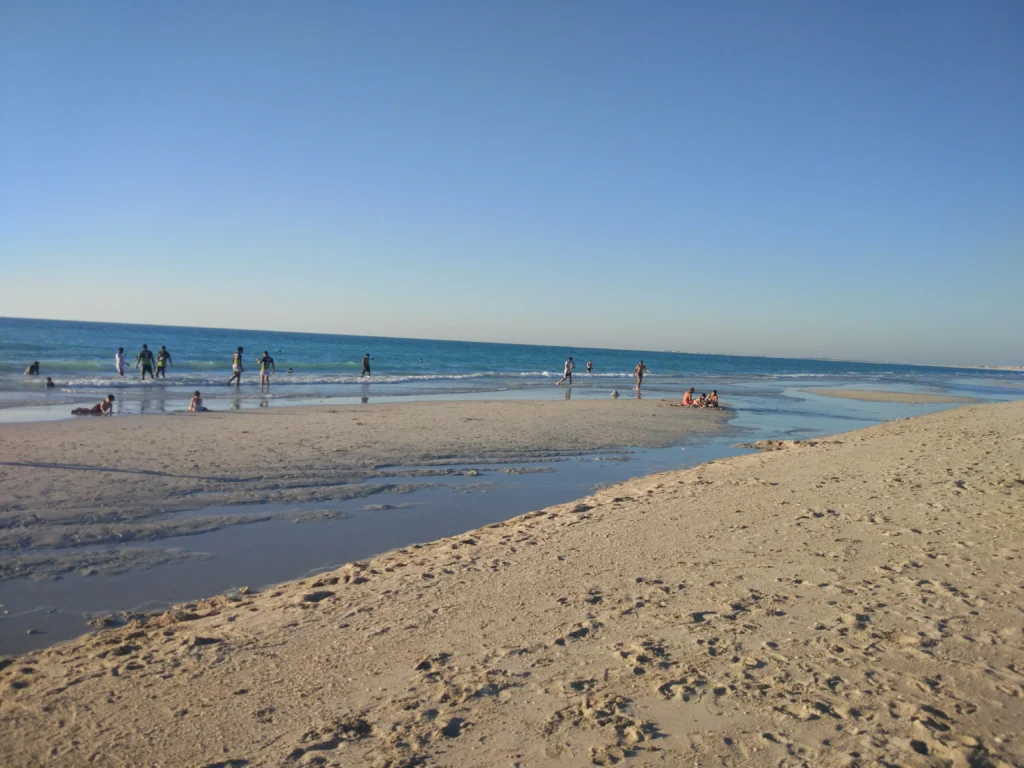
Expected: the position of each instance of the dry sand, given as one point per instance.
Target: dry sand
(856, 601)
(879, 396)
(121, 479)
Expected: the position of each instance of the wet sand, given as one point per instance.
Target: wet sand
(112, 481)
(878, 396)
(857, 601)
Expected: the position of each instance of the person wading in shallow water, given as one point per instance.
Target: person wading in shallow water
(567, 374)
(163, 359)
(366, 365)
(236, 368)
(266, 368)
(639, 371)
(145, 360)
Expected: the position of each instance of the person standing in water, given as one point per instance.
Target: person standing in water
(145, 360)
(266, 368)
(236, 368)
(119, 361)
(163, 359)
(639, 371)
(590, 367)
(366, 365)
(567, 374)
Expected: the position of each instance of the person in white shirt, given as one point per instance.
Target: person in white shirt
(569, 365)
(119, 361)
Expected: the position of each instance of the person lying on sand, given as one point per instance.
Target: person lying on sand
(196, 404)
(106, 408)
(688, 397)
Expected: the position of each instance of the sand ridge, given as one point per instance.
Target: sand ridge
(880, 396)
(855, 602)
(120, 479)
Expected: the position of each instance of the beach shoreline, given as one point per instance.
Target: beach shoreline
(853, 600)
(66, 487)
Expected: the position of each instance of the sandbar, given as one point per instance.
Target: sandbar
(114, 480)
(879, 396)
(853, 602)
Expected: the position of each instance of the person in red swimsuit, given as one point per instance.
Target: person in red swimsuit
(106, 408)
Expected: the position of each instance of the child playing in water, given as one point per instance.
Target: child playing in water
(196, 405)
(49, 383)
(106, 408)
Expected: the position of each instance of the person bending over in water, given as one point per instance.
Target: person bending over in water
(688, 397)
(569, 365)
(266, 368)
(163, 359)
(639, 371)
(33, 369)
(145, 359)
(196, 405)
(106, 408)
(236, 368)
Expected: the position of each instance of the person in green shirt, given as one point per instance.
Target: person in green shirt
(163, 359)
(145, 360)
(266, 368)
(236, 368)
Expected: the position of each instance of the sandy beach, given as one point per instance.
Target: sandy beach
(96, 481)
(848, 601)
(880, 396)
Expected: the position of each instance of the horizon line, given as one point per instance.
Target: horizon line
(1008, 369)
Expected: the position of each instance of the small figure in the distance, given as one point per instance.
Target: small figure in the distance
(49, 383)
(366, 365)
(119, 361)
(615, 394)
(590, 367)
(289, 370)
(196, 404)
(106, 408)
(33, 369)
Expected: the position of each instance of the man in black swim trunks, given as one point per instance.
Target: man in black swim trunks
(366, 365)
(145, 359)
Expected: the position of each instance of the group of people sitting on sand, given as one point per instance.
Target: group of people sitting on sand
(704, 401)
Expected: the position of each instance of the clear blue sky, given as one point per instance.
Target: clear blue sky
(785, 178)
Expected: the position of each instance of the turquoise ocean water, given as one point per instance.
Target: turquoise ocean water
(79, 356)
